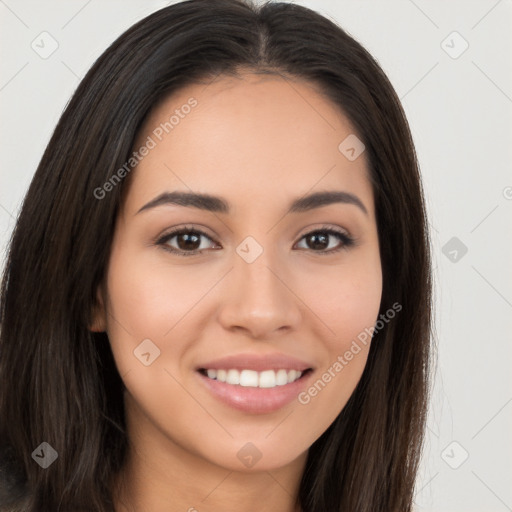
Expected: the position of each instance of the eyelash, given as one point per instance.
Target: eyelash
(347, 240)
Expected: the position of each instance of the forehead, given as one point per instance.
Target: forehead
(260, 135)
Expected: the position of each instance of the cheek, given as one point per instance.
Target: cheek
(346, 298)
(151, 309)
(348, 302)
(150, 297)
(144, 304)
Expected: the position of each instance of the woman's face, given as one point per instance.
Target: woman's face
(264, 288)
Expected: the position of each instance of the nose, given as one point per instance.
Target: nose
(259, 298)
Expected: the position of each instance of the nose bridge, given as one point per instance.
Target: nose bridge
(255, 274)
(257, 299)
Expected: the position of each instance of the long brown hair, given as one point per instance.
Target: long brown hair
(59, 382)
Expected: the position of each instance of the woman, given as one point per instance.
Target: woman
(218, 290)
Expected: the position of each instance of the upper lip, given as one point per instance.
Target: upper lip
(256, 362)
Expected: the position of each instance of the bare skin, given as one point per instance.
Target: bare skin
(259, 143)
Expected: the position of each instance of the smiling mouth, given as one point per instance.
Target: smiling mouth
(254, 379)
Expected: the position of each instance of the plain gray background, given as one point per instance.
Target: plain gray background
(459, 104)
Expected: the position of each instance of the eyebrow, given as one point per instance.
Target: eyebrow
(219, 205)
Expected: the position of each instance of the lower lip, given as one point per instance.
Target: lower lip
(256, 400)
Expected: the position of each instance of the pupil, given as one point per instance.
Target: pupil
(320, 241)
(189, 241)
(315, 241)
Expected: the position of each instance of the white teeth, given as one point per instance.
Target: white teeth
(233, 377)
(249, 378)
(267, 379)
(281, 377)
(254, 379)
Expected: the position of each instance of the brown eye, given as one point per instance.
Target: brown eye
(190, 241)
(186, 242)
(324, 241)
(317, 241)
